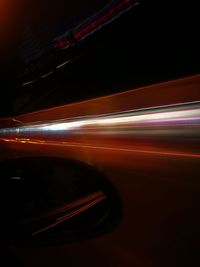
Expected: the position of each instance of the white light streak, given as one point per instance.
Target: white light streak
(47, 74)
(63, 64)
(154, 117)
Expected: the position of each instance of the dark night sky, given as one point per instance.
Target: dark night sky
(156, 41)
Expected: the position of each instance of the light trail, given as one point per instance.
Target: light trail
(167, 121)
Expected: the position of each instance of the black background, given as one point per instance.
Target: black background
(156, 41)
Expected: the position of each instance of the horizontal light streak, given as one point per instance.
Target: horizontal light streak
(131, 149)
(169, 118)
